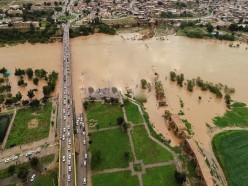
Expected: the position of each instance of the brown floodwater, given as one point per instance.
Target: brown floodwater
(106, 61)
(47, 56)
(122, 61)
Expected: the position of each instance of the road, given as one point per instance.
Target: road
(67, 149)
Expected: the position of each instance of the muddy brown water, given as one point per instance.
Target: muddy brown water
(105, 61)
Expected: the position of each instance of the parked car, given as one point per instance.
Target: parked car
(32, 177)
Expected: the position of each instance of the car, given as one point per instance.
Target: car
(68, 113)
(28, 154)
(63, 129)
(68, 134)
(7, 160)
(77, 131)
(63, 110)
(38, 150)
(68, 127)
(85, 162)
(64, 117)
(69, 147)
(64, 102)
(69, 156)
(69, 178)
(84, 142)
(63, 158)
(83, 133)
(69, 141)
(63, 137)
(69, 168)
(85, 156)
(15, 157)
(64, 93)
(32, 178)
(84, 181)
(69, 162)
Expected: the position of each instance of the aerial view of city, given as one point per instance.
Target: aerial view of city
(123, 93)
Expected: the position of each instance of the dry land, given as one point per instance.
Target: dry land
(112, 144)
(132, 112)
(118, 178)
(104, 115)
(20, 132)
(147, 149)
(160, 176)
(231, 150)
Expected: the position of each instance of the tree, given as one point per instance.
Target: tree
(46, 90)
(29, 73)
(18, 95)
(180, 177)
(85, 104)
(228, 100)
(25, 102)
(180, 79)
(126, 155)
(114, 90)
(173, 75)
(91, 90)
(1, 80)
(190, 85)
(34, 162)
(23, 173)
(36, 81)
(210, 27)
(96, 158)
(11, 169)
(120, 120)
(35, 103)
(143, 83)
(30, 94)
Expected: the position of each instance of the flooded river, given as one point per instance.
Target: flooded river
(106, 61)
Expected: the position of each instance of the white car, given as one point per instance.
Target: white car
(63, 110)
(15, 157)
(77, 131)
(68, 133)
(85, 156)
(63, 129)
(83, 133)
(69, 156)
(69, 178)
(84, 142)
(64, 117)
(69, 168)
(28, 154)
(63, 137)
(68, 127)
(84, 181)
(7, 160)
(69, 141)
(32, 177)
(85, 163)
(38, 150)
(63, 158)
(69, 162)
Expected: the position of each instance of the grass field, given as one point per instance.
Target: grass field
(231, 150)
(114, 179)
(132, 112)
(147, 149)
(48, 179)
(21, 134)
(237, 116)
(105, 115)
(160, 176)
(112, 144)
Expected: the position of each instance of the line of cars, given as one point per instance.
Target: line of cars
(27, 154)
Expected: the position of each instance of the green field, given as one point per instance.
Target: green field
(237, 116)
(231, 150)
(105, 114)
(48, 179)
(115, 179)
(147, 149)
(132, 112)
(21, 134)
(160, 176)
(112, 144)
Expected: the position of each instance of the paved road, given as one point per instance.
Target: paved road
(67, 169)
